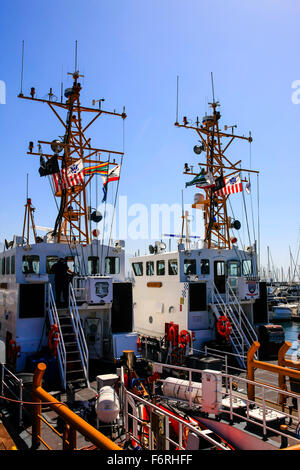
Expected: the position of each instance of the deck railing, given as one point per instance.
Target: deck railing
(78, 330)
(61, 350)
(73, 422)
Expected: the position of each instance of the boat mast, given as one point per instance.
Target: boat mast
(72, 222)
(213, 144)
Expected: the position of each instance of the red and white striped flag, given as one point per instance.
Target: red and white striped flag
(233, 184)
(73, 175)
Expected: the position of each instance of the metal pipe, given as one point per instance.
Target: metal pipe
(253, 364)
(96, 437)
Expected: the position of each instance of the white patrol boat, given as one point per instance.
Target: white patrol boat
(208, 293)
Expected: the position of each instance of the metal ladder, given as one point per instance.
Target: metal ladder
(72, 351)
(242, 334)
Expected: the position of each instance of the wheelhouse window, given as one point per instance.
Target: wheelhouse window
(220, 268)
(112, 265)
(31, 264)
(3, 266)
(150, 268)
(173, 267)
(93, 265)
(50, 262)
(137, 268)
(160, 267)
(189, 266)
(234, 268)
(7, 265)
(71, 263)
(13, 264)
(204, 266)
(247, 267)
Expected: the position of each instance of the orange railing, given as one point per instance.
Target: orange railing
(73, 422)
(281, 369)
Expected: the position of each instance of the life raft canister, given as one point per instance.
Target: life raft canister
(53, 339)
(224, 326)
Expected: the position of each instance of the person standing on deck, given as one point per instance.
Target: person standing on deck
(61, 273)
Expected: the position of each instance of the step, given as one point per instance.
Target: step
(78, 374)
(78, 381)
(70, 333)
(71, 343)
(72, 361)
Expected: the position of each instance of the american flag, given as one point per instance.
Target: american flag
(233, 185)
(73, 175)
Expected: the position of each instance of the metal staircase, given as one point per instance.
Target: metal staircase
(242, 334)
(72, 351)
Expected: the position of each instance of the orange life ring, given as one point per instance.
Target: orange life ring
(224, 326)
(53, 338)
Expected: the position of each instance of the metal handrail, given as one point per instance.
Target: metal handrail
(74, 422)
(19, 383)
(129, 396)
(78, 330)
(250, 330)
(249, 401)
(238, 342)
(61, 350)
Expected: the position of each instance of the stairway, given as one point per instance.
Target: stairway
(242, 334)
(74, 368)
(72, 351)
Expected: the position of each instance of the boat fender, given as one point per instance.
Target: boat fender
(138, 345)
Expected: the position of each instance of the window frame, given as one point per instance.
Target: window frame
(91, 264)
(13, 264)
(141, 265)
(175, 260)
(158, 273)
(153, 266)
(48, 271)
(116, 271)
(193, 263)
(36, 259)
(232, 262)
(7, 265)
(244, 261)
(202, 265)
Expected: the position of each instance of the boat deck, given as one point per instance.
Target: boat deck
(11, 435)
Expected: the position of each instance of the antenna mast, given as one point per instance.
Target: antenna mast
(72, 222)
(214, 144)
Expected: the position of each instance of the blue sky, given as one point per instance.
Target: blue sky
(130, 53)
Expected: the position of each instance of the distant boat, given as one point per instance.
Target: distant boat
(281, 312)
